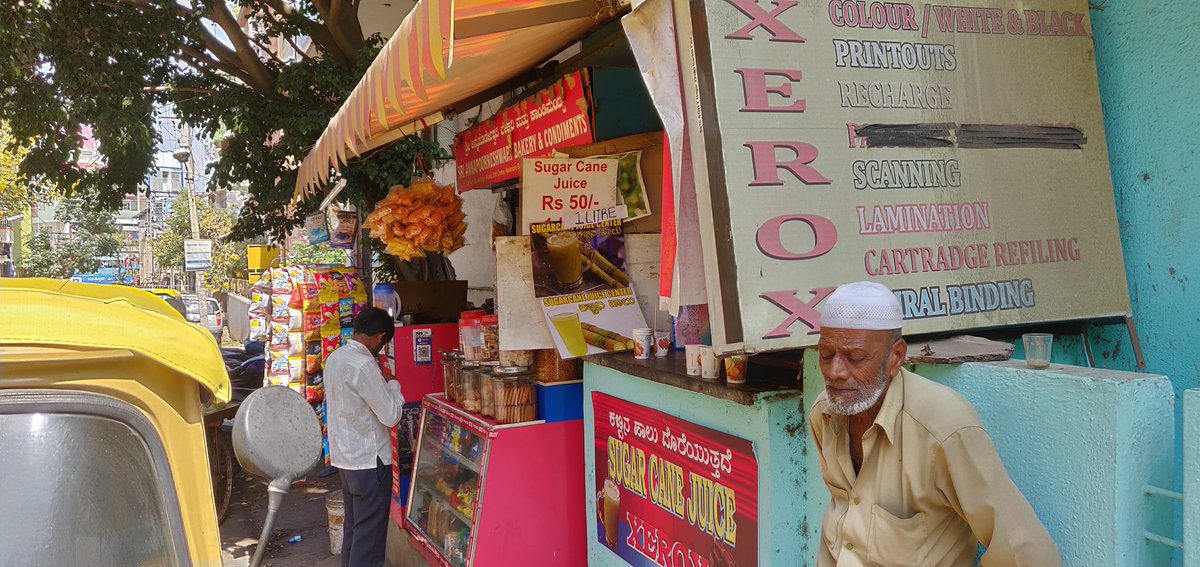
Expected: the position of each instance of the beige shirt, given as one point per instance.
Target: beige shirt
(931, 487)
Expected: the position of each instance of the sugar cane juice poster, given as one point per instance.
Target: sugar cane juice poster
(580, 279)
(673, 493)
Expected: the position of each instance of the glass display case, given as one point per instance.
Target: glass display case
(485, 493)
(446, 486)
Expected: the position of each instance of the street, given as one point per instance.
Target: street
(302, 514)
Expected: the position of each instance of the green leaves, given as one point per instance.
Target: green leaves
(91, 237)
(109, 63)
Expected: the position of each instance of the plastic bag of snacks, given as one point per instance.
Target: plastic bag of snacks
(424, 218)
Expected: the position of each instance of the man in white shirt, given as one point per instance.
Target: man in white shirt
(363, 406)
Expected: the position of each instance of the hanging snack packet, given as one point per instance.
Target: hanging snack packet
(329, 312)
(296, 368)
(315, 388)
(331, 329)
(279, 336)
(312, 327)
(342, 235)
(312, 357)
(346, 307)
(258, 328)
(328, 345)
(314, 226)
(347, 334)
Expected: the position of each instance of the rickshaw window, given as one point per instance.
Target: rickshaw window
(90, 479)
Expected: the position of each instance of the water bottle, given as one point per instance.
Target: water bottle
(388, 300)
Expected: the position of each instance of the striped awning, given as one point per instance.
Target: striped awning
(444, 52)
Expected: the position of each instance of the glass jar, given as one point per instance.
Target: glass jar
(451, 361)
(487, 398)
(468, 387)
(518, 357)
(489, 330)
(515, 395)
(471, 335)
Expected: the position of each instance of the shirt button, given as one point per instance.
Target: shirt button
(857, 501)
(849, 547)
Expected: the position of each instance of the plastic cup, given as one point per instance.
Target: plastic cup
(710, 367)
(692, 354)
(1038, 347)
(735, 369)
(662, 344)
(643, 343)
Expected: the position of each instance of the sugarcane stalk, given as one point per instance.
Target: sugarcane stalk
(603, 342)
(628, 342)
(607, 267)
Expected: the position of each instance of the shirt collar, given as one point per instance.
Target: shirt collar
(889, 412)
(361, 348)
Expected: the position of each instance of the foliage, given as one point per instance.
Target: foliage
(303, 253)
(228, 257)
(14, 188)
(107, 63)
(91, 238)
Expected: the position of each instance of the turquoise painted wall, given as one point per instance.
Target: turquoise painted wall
(1080, 443)
(778, 429)
(1146, 55)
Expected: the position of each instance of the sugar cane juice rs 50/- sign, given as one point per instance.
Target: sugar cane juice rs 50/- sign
(672, 493)
(953, 151)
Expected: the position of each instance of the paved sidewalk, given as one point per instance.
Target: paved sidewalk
(302, 513)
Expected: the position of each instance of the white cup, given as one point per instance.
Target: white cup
(710, 367)
(692, 354)
(643, 343)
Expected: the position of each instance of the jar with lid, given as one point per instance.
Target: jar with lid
(518, 357)
(451, 361)
(468, 387)
(470, 334)
(515, 394)
(489, 329)
(487, 404)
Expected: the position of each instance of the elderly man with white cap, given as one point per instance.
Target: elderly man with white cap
(914, 477)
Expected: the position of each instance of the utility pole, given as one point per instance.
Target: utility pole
(184, 156)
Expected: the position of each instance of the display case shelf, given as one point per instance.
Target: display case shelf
(436, 494)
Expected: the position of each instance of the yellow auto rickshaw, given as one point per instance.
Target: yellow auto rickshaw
(103, 459)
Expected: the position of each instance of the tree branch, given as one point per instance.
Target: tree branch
(316, 31)
(262, 79)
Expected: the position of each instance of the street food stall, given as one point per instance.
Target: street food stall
(683, 257)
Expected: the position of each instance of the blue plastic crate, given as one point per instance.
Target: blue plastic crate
(561, 401)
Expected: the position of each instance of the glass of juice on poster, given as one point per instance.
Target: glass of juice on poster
(608, 508)
(566, 324)
(566, 259)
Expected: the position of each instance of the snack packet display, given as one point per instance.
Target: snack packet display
(312, 326)
(328, 345)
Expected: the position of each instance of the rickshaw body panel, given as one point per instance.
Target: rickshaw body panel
(132, 347)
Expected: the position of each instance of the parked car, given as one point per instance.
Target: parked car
(192, 302)
(214, 320)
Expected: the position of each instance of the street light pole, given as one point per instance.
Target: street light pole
(184, 156)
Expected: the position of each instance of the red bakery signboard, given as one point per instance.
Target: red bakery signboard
(673, 493)
(491, 152)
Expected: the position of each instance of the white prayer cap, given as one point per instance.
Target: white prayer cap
(864, 306)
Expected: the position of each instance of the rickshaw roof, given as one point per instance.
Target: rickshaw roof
(97, 317)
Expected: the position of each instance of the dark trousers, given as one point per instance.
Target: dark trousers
(367, 497)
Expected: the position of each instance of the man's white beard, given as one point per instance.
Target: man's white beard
(867, 399)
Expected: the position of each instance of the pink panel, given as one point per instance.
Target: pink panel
(416, 381)
(533, 504)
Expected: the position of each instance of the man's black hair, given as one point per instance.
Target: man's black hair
(372, 321)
